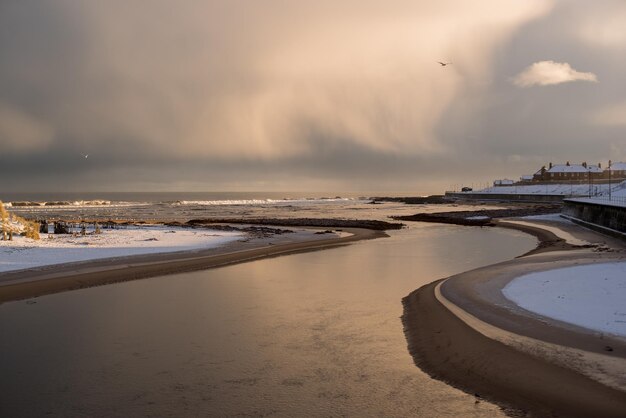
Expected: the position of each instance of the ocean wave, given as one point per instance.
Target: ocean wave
(307, 200)
(22, 203)
(61, 203)
(80, 203)
(69, 204)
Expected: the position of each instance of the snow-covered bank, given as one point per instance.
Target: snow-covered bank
(21, 252)
(590, 296)
(569, 238)
(565, 189)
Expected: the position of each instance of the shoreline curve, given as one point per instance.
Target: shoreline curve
(40, 281)
(521, 380)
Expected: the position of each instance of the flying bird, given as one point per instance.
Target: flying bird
(85, 155)
(443, 64)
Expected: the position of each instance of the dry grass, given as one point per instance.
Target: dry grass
(10, 224)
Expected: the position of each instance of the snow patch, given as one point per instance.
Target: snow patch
(22, 253)
(591, 296)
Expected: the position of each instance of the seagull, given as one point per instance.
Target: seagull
(85, 155)
(443, 64)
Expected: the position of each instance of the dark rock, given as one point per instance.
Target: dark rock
(473, 217)
(420, 200)
(314, 222)
(61, 228)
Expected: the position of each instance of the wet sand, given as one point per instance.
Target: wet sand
(524, 362)
(45, 280)
(445, 346)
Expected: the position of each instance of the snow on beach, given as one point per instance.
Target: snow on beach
(566, 189)
(591, 296)
(21, 252)
(569, 238)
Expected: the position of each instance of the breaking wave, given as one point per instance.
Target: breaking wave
(259, 201)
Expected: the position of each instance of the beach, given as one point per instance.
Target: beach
(314, 333)
(464, 331)
(55, 278)
(460, 330)
(312, 209)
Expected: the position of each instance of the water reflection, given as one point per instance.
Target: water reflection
(313, 334)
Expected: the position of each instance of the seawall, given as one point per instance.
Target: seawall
(601, 216)
(515, 197)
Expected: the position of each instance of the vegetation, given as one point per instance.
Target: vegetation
(4, 221)
(12, 224)
(31, 229)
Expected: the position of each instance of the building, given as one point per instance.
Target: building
(503, 182)
(577, 173)
(618, 170)
(569, 172)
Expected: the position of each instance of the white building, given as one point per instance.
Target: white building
(503, 182)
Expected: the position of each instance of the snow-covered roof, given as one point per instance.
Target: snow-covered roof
(618, 166)
(527, 177)
(574, 168)
(504, 181)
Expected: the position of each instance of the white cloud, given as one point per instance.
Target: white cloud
(545, 73)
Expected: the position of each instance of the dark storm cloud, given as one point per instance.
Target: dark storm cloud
(266, 95)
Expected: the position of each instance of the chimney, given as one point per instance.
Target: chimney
(584, 164)
(567, 163)
(550, 165)
(599, 165)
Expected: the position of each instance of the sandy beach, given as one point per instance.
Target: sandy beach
(464, 331)
(461, 330)
(22, 284)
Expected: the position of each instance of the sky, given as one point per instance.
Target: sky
(278, 95)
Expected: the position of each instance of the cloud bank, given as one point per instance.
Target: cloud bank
(274, 95)
(545, 73)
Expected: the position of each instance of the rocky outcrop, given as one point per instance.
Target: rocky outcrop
(313, 222)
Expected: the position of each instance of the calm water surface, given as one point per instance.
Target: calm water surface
(313, 334)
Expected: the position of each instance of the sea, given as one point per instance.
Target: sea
(183, 206)
(313, 334)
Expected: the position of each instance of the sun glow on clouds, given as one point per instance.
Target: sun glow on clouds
(545, 73)
(361, 75)
(604, 26)
(265, 80)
